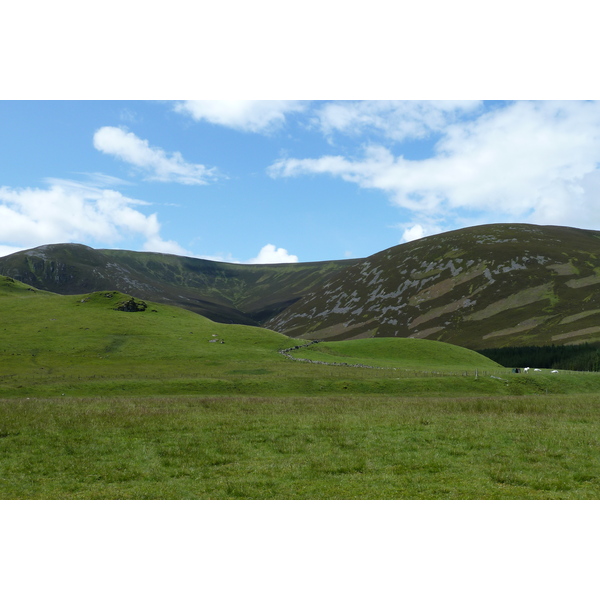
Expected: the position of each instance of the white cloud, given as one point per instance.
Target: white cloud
(102, 180)
(155, 161)
(397, 120)
(69, 211)
(257, 116)
(157, 244)
(527, 161)
(416, 232)
(270, 254)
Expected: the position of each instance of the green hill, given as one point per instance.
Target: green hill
(110, 344)
(106, 396)
(223, 292)
(481, 287)
(399, 353)
(50, 339)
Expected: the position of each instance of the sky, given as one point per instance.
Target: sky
(285, 181)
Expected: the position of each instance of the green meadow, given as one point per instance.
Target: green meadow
(100, 403)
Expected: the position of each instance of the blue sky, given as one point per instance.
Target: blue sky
(280, 181)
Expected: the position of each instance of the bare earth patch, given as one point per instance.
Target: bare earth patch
(578, 316)
(584, 281)
(580, 332)
(563, 269)
(426, 332)
(522, 298)
(523, 326)
(437, 312)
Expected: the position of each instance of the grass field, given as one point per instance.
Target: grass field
(301, 448)
(100, 403)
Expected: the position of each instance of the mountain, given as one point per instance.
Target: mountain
(479, 287)
(223, 292)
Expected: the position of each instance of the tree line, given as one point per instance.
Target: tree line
(577, 357)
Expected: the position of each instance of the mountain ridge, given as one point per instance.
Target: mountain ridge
(478, 287)
(223, 292)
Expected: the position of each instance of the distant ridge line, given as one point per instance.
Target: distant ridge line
(479, 287)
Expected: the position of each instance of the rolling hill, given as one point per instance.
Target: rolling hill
(479, 287)
(223, 292)
(110, 344)
(101, 401)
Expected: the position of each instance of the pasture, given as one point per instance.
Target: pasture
(332, 447)
(164, 404)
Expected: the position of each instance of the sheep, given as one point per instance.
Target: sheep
(555, 371)
(526, 369)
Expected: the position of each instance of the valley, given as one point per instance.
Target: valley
(114, 385)
(481, 287)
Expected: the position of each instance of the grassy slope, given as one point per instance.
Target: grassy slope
(248, 423)
(79, 345)
(342, 447)
(403, 353)
(64, 342)
(227, 293)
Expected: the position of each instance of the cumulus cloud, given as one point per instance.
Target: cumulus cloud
(527, 161)
(396, 120)
(270, 254)
(257, 116)
(415, 232)
(69, 211)
(158, 165)
(156, 244)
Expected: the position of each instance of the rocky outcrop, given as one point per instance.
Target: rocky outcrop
(132, 305)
